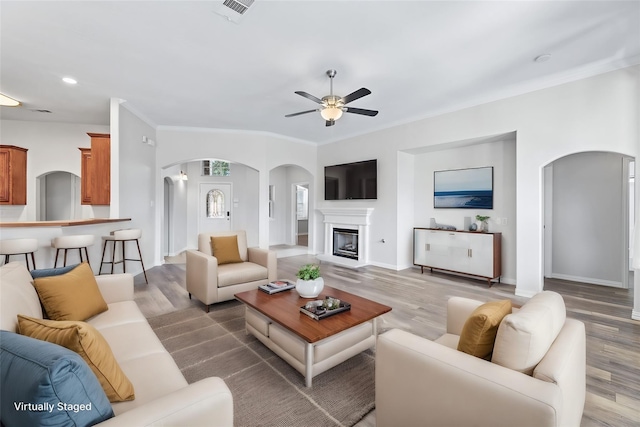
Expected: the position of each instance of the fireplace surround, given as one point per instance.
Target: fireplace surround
(352, 225)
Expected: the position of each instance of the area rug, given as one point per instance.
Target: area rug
(266, 390)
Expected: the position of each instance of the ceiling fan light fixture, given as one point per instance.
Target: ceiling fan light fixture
(6, 101)
(331, 113)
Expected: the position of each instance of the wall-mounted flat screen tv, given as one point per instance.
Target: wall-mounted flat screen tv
(351, 181)
(463, 188)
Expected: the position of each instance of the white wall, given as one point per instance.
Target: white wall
(501, 155)
(59, 197)
(587, 213)
(595, 114)
(136, 192)
(52, 147)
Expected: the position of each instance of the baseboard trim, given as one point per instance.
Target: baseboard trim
(589, 280)
(525, 293)
(635, 315)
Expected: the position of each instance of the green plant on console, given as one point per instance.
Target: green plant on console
(482, 218)
(309, 272)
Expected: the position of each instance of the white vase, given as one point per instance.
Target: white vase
(309, 288)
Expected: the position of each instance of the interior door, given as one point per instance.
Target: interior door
(214, 207)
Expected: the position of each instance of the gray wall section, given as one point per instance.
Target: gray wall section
(587, 211)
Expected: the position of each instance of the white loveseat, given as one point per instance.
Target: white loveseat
(162, 395)
(536, 376)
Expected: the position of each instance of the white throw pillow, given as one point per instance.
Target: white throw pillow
(525, 336)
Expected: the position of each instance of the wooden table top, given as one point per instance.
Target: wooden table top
(284, 309)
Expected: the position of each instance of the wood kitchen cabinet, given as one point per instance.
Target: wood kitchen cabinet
(95, 180)
(13, 171)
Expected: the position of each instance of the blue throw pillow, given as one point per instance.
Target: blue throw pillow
(46, 272)
(45, 384)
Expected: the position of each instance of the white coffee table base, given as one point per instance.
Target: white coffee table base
(311, 359)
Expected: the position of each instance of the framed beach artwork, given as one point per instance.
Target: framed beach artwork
(463, 188)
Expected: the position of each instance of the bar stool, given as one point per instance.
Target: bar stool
(79, 242)
(122, 236)
(10, 247)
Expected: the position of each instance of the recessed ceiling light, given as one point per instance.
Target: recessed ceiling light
(5, 101)
(543, 58)
(69, 80)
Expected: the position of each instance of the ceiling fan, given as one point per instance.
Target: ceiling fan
(332, 106)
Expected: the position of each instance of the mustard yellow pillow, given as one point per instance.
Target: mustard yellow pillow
(479, 331)
(85, 340)
(225, 249)
(71, 296)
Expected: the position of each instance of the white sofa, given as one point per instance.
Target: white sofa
(162, 395)
(211, 283)
(536, 376)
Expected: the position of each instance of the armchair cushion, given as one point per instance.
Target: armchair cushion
(233, 274)
(525, 336)
(225, 249)
(85, 340)
(71, 296)
(480, 329)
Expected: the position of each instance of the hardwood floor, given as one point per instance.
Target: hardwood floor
(418, 301)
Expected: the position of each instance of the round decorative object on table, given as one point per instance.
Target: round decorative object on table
(473, 227)
(310, 288)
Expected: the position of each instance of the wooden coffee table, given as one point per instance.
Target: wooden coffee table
(311, 346)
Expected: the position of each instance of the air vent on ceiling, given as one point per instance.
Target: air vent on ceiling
(233, 10)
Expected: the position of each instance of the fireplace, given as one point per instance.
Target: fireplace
(346, 236)
(345, 243)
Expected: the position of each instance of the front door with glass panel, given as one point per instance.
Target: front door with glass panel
(214, 208)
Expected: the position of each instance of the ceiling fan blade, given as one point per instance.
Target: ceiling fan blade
(330, 123)
(309, 96)
(301, 112)
(356, 95)
(362, 111)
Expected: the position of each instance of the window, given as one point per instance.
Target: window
(272, 200)
(215, 204)
(302, 202)
(215, 168)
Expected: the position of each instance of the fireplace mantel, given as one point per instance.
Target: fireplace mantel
(348, 218)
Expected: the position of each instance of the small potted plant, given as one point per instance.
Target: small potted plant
(484, 223)
(309, 284)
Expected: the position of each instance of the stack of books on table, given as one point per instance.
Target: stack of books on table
(277, 286)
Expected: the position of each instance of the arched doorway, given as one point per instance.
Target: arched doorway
(57, 196)
(291, 200)
(588, 214)
(185, 203)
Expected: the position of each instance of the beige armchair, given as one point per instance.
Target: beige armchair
(211, 283)
(536, 376)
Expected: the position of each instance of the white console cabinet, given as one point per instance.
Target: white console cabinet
(472, 253)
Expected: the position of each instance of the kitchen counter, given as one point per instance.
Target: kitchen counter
(45, 231)
(65, 223)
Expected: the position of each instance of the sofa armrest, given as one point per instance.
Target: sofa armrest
(116, 287)
(458, 311)
(202, 276)
(204, 403)
(419, 382)
(265, 258)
